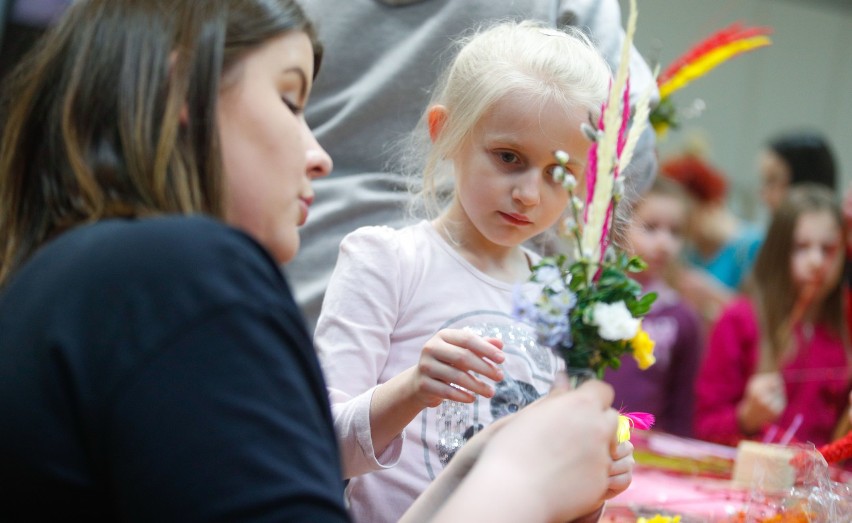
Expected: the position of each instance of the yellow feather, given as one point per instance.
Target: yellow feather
(709, 61)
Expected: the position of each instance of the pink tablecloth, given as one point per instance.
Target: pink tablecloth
(695, 498)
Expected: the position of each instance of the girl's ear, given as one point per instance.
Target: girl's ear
(437, 117)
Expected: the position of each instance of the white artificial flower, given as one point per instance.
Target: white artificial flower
(614, 321)
(558, 174)
(562, 157)
(569, 183)
(618, 189)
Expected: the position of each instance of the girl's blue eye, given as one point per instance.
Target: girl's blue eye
(507, 157)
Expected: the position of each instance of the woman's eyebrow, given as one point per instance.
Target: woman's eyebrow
(301, 73)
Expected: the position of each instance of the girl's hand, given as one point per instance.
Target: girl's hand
(449, 358)
(763, 402)
(448, 361)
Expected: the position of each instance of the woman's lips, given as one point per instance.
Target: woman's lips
(304, 204)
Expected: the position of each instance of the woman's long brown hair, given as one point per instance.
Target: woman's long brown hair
(113, 113)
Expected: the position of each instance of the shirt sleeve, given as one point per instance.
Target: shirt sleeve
(688, 352)
(723, 375)
(353, 337)
(228, 421)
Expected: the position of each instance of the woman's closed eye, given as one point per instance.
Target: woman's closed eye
(294, 108)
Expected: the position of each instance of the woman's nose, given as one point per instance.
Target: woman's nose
(319, 163)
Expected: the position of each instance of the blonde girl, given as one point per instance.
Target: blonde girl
(388, 334)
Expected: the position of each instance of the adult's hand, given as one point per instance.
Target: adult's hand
(550, 462)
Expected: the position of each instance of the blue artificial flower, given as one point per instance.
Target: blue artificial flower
(524, 298)
(553, 329)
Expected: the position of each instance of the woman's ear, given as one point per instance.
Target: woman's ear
(437, 117)
(183, 114)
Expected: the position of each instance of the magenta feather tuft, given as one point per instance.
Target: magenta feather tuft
(640, 420)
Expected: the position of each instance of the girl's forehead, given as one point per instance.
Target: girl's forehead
(815, 224)
(521, 118)
(657, 202)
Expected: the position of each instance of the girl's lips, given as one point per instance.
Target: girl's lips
(516, 219)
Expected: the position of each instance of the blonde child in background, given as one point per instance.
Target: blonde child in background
(514, 94)
(777, 363)
(656, 234)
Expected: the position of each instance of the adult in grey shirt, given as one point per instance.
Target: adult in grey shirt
(386, 55)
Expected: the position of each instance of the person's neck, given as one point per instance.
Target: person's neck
(707, 249)
(501, 262)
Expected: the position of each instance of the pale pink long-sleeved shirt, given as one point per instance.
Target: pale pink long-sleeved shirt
(391, 291)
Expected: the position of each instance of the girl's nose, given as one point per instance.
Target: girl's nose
(527, 190)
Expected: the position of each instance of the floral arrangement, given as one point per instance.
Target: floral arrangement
(704, 56)
(584, 305)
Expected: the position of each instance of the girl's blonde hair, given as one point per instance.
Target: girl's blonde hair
(510, 57)
(770, 283)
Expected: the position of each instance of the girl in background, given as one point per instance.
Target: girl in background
(777, 361)
(514, 94)
(656, 234)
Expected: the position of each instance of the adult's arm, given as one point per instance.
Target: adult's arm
(526, 474)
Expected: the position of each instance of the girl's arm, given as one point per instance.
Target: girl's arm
(353, 339)
(728, 363)
(446, 360)
(360, 312)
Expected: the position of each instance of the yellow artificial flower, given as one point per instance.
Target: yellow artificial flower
(643, 349)
(660, 519)
(623, 432)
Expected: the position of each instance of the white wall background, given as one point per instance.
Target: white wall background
(804, 79)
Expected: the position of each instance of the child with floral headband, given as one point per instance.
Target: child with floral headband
(514, 94)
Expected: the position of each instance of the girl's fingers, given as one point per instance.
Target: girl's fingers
(445, 391)
(490, 348)
(440, 371)
(456, 352)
